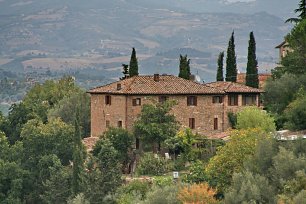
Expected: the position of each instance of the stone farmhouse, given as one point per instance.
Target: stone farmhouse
(202, 107)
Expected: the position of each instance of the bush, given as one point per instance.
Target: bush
(252, 117)
(197, 193)
(196, 173)
(152, 165)
(232, 117)
(163, 181)
(136, 188)
(164, 195)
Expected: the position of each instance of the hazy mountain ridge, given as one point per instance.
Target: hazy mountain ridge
(83, 30)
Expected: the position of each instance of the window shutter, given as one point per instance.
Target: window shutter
(139, 101)
(221, 99)
(215, 123)
(110, 100)
(134, 102)
(195, 101)
(188, 100)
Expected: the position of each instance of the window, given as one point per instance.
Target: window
(233, 100)
(137, 102)
(162, 99)
(215, 123)
(191, 100)
(108, 100)
(107, 123)
(217, 99)
(248, 100)
(191, 123)
(120, 124)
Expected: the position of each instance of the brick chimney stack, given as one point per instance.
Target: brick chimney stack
(156, 77)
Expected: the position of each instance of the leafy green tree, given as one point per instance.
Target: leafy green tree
(149, 164)
(252, 117)
(19, 114)
(302, 13)
(12, 182)
(40, 139)
(249, 188)
(231, 156)
(120, 139)
(220, 67)
(295, 113)
(43, 97)
(78, 159)
(294, 61)
(133, 71)
(125, 71)
(67, 107)
(279, 93)
(252, 70)
(231, 65)
(155, 124)
(57, 189)
(184, 68)
(105, 177)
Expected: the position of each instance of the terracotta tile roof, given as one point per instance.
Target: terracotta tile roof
(167, 84)
(231, 87)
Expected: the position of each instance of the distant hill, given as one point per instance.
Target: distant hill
(77, 34)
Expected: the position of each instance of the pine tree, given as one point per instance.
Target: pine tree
(231, 66)
(133, 64)
(184, 67)
(78, 160)
(252, 70)
(220, 67)
(125, 71)
(302, 13)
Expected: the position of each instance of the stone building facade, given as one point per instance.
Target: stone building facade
(202, 107)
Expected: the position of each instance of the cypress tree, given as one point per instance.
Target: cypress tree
(133, 64)
(251, 78)
(125, 71)
(78, 160)
(220, 67)
(231, 66)
(184, 68)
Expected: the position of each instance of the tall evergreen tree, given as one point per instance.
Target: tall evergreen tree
(251, 78)
(302, 13)
(184, 67)
(125, 71)
(220, 67)
(231, 66)
(78, 160)
(133, 64)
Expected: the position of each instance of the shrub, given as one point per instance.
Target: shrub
(197, 193)
(136, 188)
(196, 173)
(152, 165)
(163, 181)
(252, 117)
(232, 117)
(164, 195)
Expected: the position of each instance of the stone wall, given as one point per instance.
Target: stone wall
(122, 109)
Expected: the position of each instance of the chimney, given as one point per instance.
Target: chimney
(156, 77)
(118, 86)
(192, 77)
